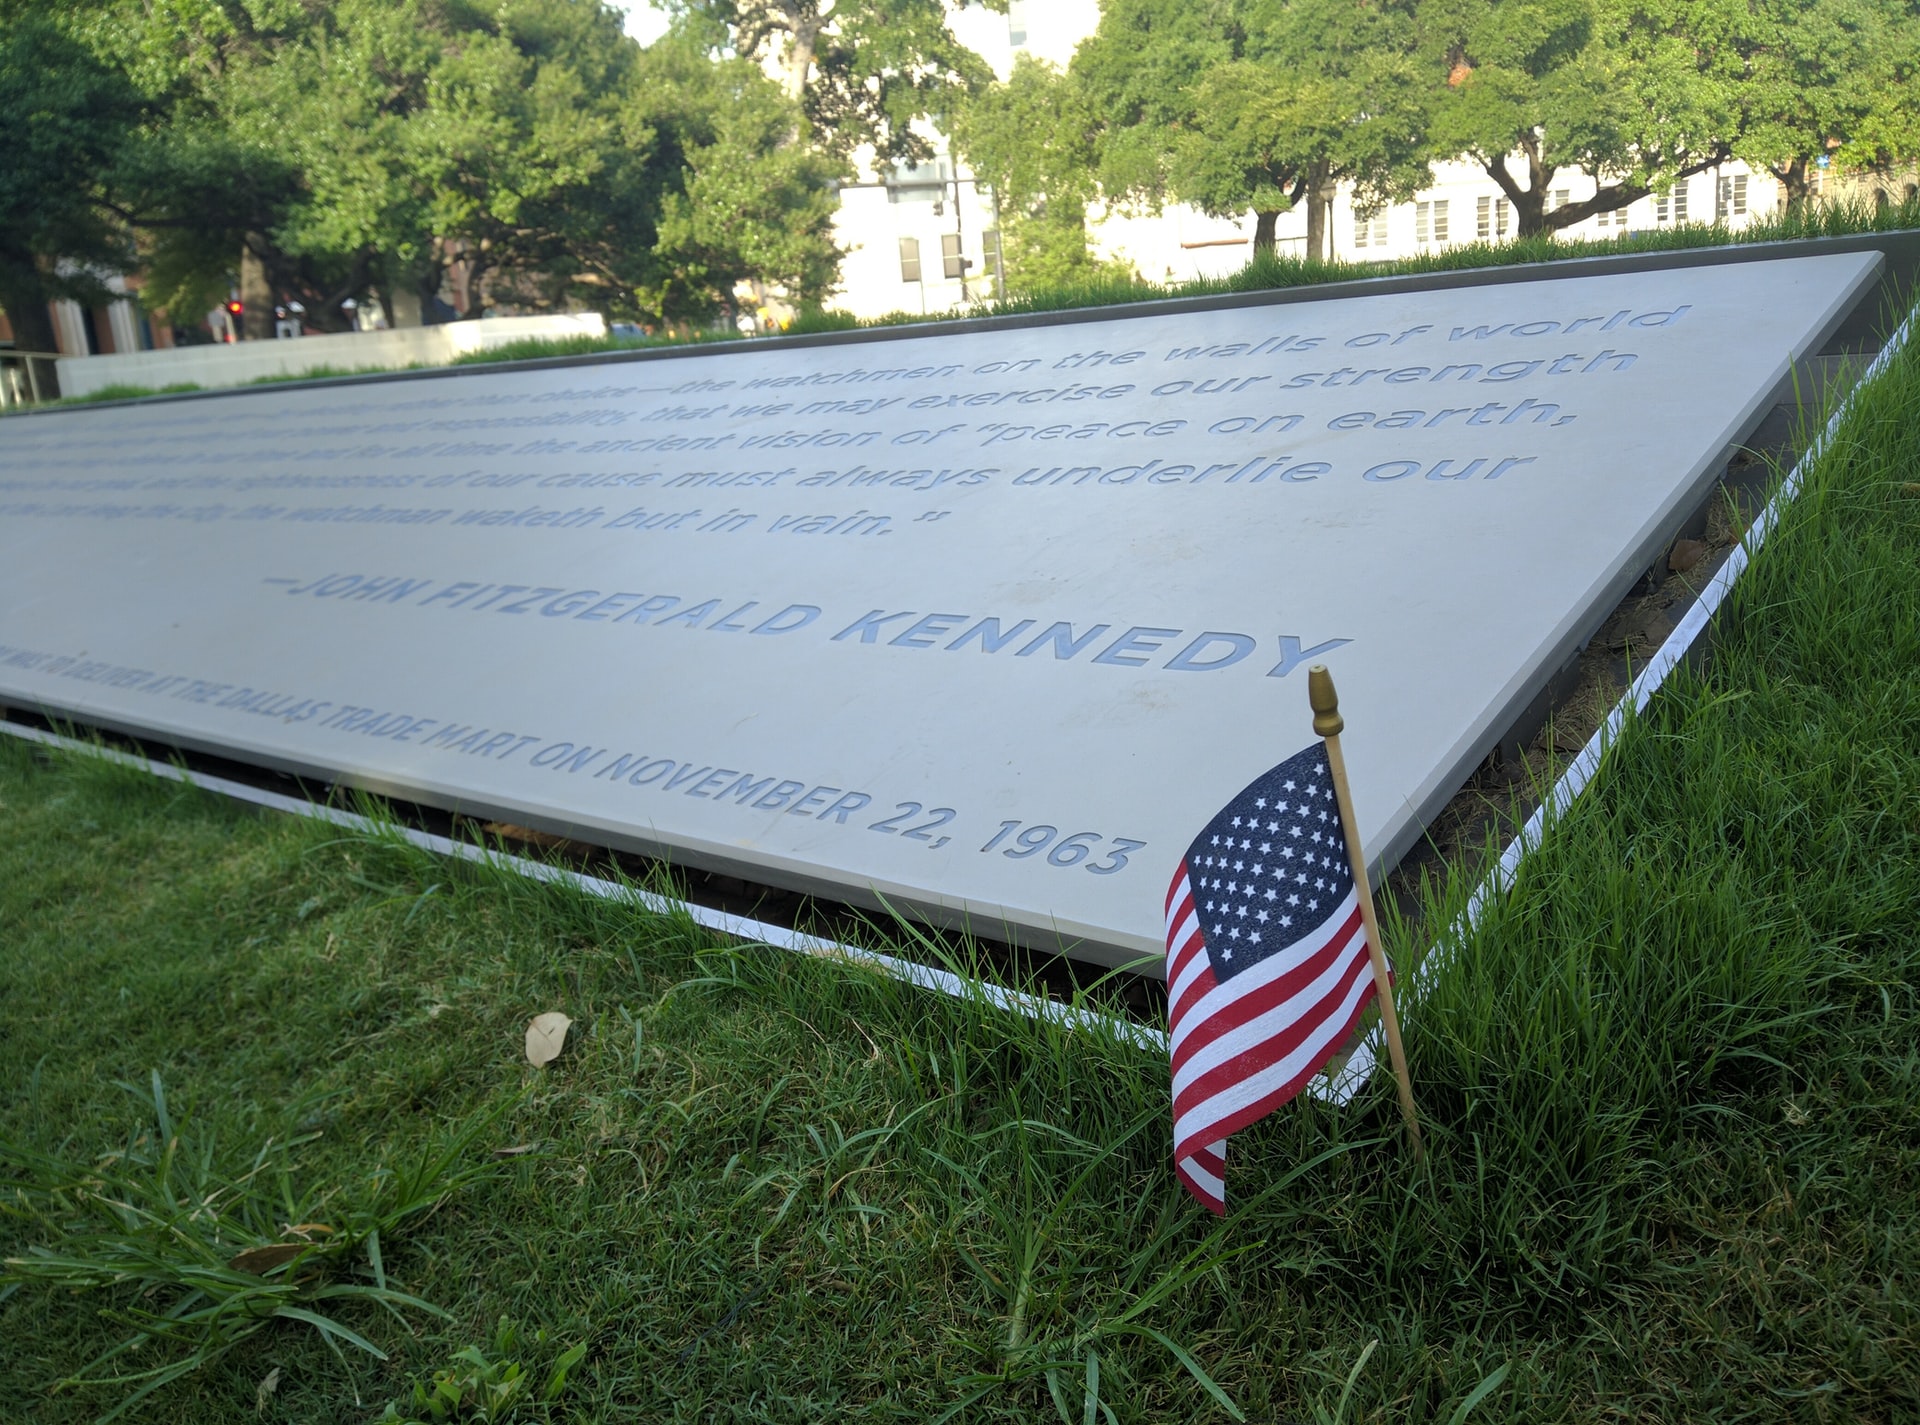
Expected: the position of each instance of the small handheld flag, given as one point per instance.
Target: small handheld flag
(1272, 954)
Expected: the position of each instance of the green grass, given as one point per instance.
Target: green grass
(537, 347)
(1671, 1088)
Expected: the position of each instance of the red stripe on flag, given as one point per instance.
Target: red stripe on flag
(1272, 1049)
(1259, 1108)
(1265, 998)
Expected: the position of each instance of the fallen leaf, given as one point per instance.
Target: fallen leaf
(261, 1260)
(305, 1230)
(546, 1037)
(1685, 554)
(523, 833)
(516, 1150)
(265, 1391)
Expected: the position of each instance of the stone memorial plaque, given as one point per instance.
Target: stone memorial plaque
(984, 623)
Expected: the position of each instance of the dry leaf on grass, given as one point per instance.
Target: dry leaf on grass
(264, 1392)
(261, 1260)
(546, 1037)
(523, 833)
(1685, 554)
(516, 1151)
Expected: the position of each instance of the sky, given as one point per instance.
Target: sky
(644, 23)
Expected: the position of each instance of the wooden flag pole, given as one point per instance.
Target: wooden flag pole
(1328, 724)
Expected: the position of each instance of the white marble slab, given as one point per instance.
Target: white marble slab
(984, 624)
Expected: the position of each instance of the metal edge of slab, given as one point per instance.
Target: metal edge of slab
(1901, 248)
(738, 927)
(1339, 1088)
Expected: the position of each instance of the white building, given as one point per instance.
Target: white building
(926, 239)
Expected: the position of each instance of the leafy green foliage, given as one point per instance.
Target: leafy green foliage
(1239, 104)
(524, 153)
(1031, 139)
(67, 117)
(489, 1388)
(863, 71)
(1827, 77)
(1633, 95)
(750, 204)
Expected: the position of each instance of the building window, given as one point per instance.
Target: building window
(990, 253)
(1370, 232)
(1430, 221)
(952, 264)
(909, 259)
(1671, 206)
(1490, 219)
(1016, 22)
(1557, 199)
(1616, 218)
(1733, 196)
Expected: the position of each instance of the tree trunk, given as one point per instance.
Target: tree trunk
(476, 284)
(1319, 214)
(256, 292)
(24, 298)
(1530, 211)
(1530, 204)
(797, 66)
(1263, 225)
(1794, 178)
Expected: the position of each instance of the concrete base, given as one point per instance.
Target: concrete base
(242, 362)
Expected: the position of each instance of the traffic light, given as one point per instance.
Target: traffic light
(235, 308)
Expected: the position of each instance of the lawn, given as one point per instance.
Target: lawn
(1671, 1088)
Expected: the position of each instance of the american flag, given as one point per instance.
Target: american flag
(1267, 963)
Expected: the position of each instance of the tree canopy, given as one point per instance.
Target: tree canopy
(326, 153)
(863, 71)
(69, 116)
(1031, 139)
(1238, 105)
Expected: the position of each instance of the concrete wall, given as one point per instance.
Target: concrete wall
(237, 363)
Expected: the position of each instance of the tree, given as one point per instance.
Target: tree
(1140, 72)
(529, 146)
(1633, 95)
(729, 197)
(863, 71)
(1031, 140)
(1329, 90)
(69, 115)
(1234, 105)
(1827, 78)
(277, 154)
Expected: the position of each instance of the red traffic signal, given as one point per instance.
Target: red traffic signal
(235, 308)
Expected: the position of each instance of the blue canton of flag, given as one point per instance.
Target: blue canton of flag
(1267, 962)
